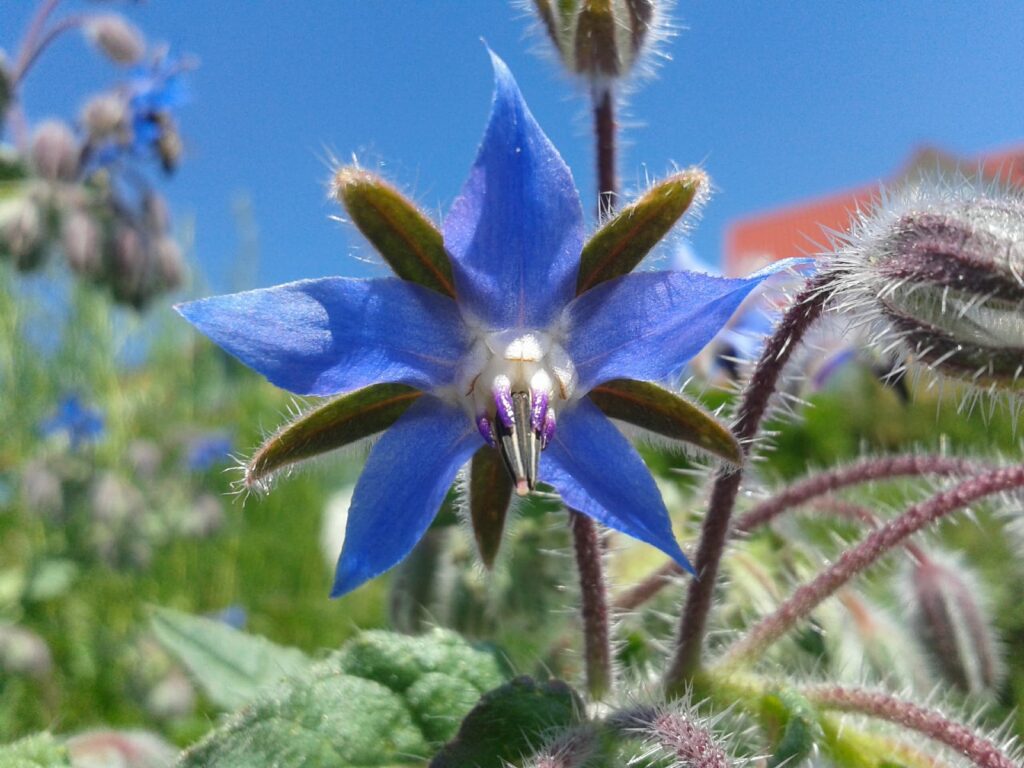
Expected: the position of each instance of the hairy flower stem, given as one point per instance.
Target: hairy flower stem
(886, 468)
(604, 129)
(803, 491)
(869, 551)
(933, 724)
(597, 650)
(806, 309)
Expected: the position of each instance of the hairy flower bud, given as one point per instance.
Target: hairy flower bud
(938, 269)
(116, 37)
(55, 151)
(106, 117)
(601, 40)
(23, 652)
(169, 262)
(952, 624)
(80, 238)
(21, 232)
(155, 212)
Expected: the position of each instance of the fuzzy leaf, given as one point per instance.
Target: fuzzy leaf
(510, 722)
(232, 667)
(335, 424)
(40, 750)
(622, 243)
(409, 242)
(490, 491)
(382, 700)
(657, 410)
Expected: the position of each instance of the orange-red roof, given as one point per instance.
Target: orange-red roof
(798, 230)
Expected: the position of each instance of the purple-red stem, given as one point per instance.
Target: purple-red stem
(593, 591)
(803, 491)
(885, 468)
(868, 551)
(932, 724)
(604, 129)
(806, 309)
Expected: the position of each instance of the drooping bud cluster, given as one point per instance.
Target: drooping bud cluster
(602, 40)
(936, 270)
(952, 623)
(83, 191)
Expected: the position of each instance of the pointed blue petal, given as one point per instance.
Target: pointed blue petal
(516, 230)
(596, 471)
(322, 337)
(401, 489)
(648, 325)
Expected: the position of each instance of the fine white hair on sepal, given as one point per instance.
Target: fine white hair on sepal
(933, 274)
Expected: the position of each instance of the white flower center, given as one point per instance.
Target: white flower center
(513, 383)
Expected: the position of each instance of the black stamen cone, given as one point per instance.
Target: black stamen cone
(518, 445)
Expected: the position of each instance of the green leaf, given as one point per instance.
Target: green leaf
(232, 667)
(409, 242)
(622, 243)
(667, 414)
(338, 423)
(510, 722)
(490, 491)
(38, 751)
(382, 700)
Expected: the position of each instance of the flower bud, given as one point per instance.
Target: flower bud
(55, 151)
(131, 264)
(106, 117)
(119, 39)
(80, 238)
(953, 625)
(41, 489)
(169, 262)
(155, 212)
(938, 269)
(23, 652)
(171, 698)
(601, 40)
(21, 232)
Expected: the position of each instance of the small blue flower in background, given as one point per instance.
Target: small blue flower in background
(74, 419)
(208, 450)
(151, 95)
(235, 616)
(508, 362)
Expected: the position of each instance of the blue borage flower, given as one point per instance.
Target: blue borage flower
(73, 418)
(508, 362)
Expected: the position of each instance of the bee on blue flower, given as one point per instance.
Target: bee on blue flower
(500, 346)
(73, 418)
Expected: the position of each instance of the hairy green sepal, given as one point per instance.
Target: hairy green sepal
(622, 243)
(335, 424)
(409, 242)
(667, 414)
(490, 491)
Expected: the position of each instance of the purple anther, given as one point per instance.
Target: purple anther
(503, 401)
(538, 410)
(548, 431)
(486, 430)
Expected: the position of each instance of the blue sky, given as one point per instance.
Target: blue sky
(778, 100)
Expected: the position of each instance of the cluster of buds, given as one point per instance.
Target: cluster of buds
(602, 40)
(936, 271)
(81, 190)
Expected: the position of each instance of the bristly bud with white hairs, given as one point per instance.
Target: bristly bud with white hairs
(936, 271)
(603, 40)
